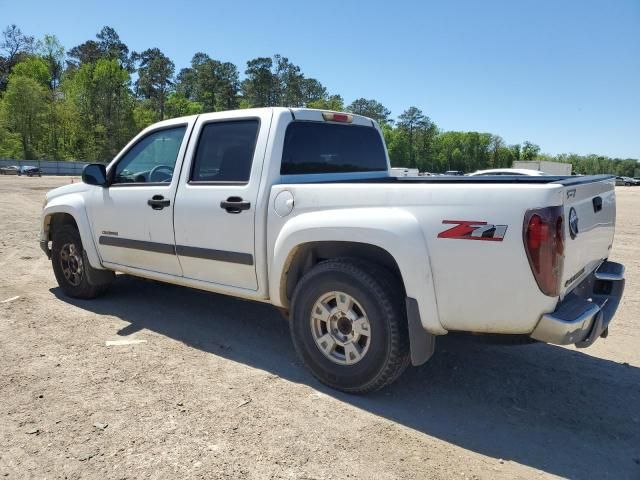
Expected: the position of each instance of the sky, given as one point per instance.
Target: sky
(564, 74)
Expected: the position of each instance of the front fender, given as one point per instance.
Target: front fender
(74, 205)
(392, 229)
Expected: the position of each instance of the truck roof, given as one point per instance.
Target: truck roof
(298, 113)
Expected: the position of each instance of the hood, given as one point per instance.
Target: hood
(71, 188)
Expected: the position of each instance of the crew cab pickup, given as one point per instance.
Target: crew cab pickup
(298, 208)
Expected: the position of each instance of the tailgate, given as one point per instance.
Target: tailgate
(590, 215)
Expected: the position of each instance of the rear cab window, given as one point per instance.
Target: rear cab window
(315, 147)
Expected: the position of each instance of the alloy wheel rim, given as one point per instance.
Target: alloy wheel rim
(340, 328)
(71, 264)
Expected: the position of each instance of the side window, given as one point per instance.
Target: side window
(152, 159)
(225, 151)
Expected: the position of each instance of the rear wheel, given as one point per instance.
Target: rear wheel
(67, 258)
(349, 326)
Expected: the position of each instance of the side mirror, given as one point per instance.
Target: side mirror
(95, 174)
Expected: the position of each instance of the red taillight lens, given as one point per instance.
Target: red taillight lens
(544, 243)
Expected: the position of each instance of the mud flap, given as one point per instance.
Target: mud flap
(94, 276)
(421, 342)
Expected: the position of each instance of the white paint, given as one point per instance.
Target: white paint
(459, 285)
(283, 203)
(125, 341)
(10, 299)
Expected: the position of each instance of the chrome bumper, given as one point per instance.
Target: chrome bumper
(583, 316)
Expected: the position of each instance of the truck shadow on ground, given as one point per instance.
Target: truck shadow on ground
(553, 409)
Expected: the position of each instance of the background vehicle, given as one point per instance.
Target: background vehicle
(627, 181)
(404, 172)
(30, 171)
(551, 168)
(298, 208)
(454, 172)
(11, 170)
(508, 171)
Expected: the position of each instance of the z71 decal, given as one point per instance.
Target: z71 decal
(468, 230)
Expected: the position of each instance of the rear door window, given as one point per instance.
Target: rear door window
(225, 151)
(314, 147)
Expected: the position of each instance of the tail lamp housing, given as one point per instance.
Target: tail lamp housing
(543, 236)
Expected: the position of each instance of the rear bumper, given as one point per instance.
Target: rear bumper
(584, 315)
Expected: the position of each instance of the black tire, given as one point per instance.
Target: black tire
(81, 288)
(379, 293)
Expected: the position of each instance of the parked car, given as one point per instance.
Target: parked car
(30, 171)
(454, 172)
(10, 170)
(298, 208)
(507, 171)
(627, 181)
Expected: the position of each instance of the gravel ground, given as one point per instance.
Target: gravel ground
(215, 390)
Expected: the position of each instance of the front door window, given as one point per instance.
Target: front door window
(152, 159)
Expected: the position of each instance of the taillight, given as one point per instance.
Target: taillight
(543, 234)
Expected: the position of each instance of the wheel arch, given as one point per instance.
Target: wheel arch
(69, 213)
(305, 256)
(393, 240)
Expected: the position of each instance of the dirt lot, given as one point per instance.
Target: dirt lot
(217, 392)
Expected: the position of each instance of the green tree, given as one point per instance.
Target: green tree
(530, 150)
(328, 102)
(370, 108)
(34, 68)
(411, 120)
(106, 46)
(14, 46)
(24, 108)
(259, 86)
(276, 82)
(52, 52)
(100, 93)
(178, 105)
(155, 78)
(211, 83)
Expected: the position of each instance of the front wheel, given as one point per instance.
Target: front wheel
(68, 261)
(348, 325)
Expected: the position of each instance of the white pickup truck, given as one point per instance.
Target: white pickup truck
(298, 208)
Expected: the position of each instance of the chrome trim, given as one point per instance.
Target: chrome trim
(584, 315)
(610, 271)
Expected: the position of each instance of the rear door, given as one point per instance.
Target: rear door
(590, 214)
(215, 209)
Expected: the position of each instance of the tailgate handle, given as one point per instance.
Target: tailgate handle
(597, 204)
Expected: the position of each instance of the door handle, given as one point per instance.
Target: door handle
(157, 202)
(235, 205)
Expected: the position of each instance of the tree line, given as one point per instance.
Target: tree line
(85, 103)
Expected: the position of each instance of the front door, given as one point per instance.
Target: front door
(132, 219)
(216, 202)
